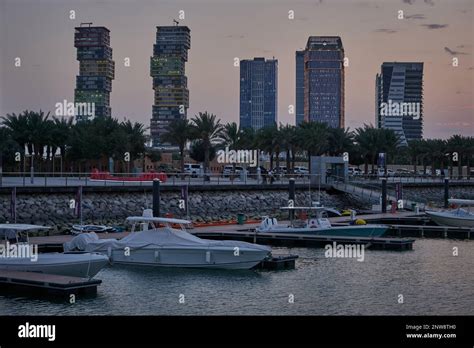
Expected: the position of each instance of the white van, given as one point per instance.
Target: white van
(194, 170)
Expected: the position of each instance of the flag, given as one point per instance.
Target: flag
(184, 197)
(78, 206)
(13, 205)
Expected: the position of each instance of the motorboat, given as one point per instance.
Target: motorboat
(458, 217)
(164, 242)
(18, 254)
(319, 224)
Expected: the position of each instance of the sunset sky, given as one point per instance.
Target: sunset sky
(433, 31)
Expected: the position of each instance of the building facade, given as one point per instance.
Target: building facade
(170, 84)
(96, 70)
(399, 99)
(324, 80)
(258, 93)
(299, 93)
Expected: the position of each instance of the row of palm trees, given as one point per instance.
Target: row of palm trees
(84, 145)
(298, 143)
(437, 153)
(91, 143)
(361, 146)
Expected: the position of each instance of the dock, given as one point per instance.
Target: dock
(47, 284)
(305, 240)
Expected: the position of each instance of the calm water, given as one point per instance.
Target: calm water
(431, 280)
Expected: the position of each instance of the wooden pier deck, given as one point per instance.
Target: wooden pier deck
(305, 240)
(47, 284)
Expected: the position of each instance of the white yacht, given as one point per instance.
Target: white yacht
(17, 254)
(319, 225)
(458, 217)
(158, 243)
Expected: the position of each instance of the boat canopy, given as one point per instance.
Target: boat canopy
(139, 219)
(22, 227)
(461, 201)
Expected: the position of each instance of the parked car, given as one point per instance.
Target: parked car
(403, 172)
(194, 170)
(280, 170)
(299, 170)
(381, 172)
(353, 171)
(229, 170)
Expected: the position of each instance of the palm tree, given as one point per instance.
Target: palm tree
(178, 133)
(32, 129)
(6, 144)
(207, 128)
(371, 143)
(136, 138)
(231, 138)
(340, 140)
(287, 135)
(459, 145)
(60, 135)
(313, 138)
(265, 139)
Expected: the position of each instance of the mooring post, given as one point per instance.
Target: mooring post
(384, 195)
(291, 197)
(156, 197)
(446, 192)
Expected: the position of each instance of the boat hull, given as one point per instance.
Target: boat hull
(343, 231)
(446, 219)
(190, 258)
(83, 265)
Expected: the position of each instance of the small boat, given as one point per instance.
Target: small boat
(458, 217)
(78, 229)
(319, 225)
(20, 255)
(157, 243)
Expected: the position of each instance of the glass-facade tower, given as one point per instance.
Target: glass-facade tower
(258, 93)
(324, 80)
(400, 82)
(170, 85)
(96, 69)
(299, 87)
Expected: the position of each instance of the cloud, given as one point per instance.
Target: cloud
(429, 2)
(434, 26)
(454, 53)
(386, 31)
(415, 16)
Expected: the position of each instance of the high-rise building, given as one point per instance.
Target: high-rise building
(258, 93)
(167, 68)
(96, 70)
(399, 99)
(299, 86)
(324, 80)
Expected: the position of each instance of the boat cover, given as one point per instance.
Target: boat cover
(161, 237)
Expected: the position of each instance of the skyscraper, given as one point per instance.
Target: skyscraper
(258, 93)
(96, 69)
(399, 99)
(299, 86)
(324, 80)
(167, 68)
